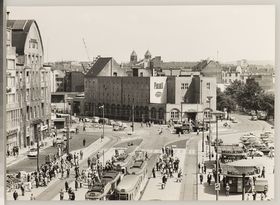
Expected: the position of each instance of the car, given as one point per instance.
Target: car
(32, 153)
(254, 118)
(59, 140)
(112, 122)
(95, 119)
(233, 120)
(72, 130)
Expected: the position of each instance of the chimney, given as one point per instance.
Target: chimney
(8, 14)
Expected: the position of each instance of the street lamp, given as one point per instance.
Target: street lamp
(210, 117)
(217, 114)
(103, 121)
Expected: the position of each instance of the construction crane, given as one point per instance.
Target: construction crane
(85, 69)
(86, 49)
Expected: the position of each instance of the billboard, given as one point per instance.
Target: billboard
(158, 89)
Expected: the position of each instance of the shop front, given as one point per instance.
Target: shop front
(233, 175)
(12, 139)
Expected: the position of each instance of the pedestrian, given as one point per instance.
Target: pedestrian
(88, 161)
(68, 172)
(61, 195)
(201, 178)
(154, 173)
(84, 142)
(15, 195)
(32, 197)
(209, 178)
(73, 196)
(262, 196)
(204, 169)
(22, 189)
(162, 149)
(265, 190)
(66, 186)
(198, 166)
(146, 156)
(76, 184)
(81, 154)
(263, 172)
(227, 189)
(254, 195)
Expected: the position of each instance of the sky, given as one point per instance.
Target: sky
(176, 33)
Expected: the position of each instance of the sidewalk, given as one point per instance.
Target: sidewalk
(38, 192)
(153, 189)
(23, 152)
(206, 192)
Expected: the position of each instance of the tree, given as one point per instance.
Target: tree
(225, 101)
(234, 89)
(248, 97)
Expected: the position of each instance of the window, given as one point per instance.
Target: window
(115, 74)
(208, 85)
(141, 74)
(184, 86)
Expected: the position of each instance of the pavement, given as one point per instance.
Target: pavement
(153, 190)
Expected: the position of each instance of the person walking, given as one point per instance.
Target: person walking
(154, 173)
(84, 142)
(209, 178)
(22, 189)
(15, 195)
(66, 186)
(32, 197)
(227, 189)
(201, 178)
(81, 154)
(263, 172)
(76, 185)
(61, 194)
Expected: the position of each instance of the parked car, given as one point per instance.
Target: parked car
(95, 119)
(254, 118)
(32, 153)
(112, 122)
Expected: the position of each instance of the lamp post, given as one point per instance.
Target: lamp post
(203, 132)
(210, 117)
(103, 121)
(217, 114)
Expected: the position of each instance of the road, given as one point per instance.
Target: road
(76, 143)
(229, 136)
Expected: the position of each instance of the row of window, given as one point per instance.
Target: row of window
(35, 112)
(13, 118)
(230, 74)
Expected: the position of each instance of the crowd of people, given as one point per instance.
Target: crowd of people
(167, 165)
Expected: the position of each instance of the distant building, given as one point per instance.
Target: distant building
(74, 81)
(151, 98)
(57, 81)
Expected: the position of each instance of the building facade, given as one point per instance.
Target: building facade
(33, 80)
(13, 100)
(150, 98)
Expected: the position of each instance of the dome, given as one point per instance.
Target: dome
(133, 53)
(148, 54)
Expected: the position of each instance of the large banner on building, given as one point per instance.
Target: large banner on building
(158, 91)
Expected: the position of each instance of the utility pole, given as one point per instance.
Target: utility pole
(243, 186)
(132, 117)
(203, 133)
(217, 160)
(68, 134)
(38, 146)
(103, 124)
(210, 117)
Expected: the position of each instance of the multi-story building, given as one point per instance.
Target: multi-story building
(74, 81)
(13, 97)
(155, 98)
(34, 90)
